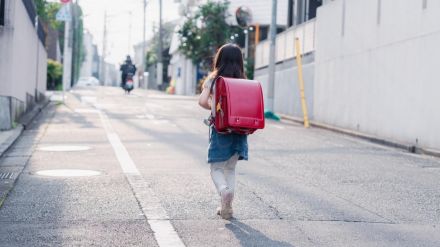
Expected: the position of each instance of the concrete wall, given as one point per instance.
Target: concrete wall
(23, 62)
(285, 44)
(287, 95)
(87, 64)
(377, 70)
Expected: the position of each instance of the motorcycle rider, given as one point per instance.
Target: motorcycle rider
(127, 68)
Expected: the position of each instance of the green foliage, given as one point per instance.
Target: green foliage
(202, 34)
(41, 8)
(52, 9)
(47, 12)
(54, 74)
(152, 51)
(151, 58)
(249, 68)
(78, 49)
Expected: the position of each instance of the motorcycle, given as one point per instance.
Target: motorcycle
(128, 86)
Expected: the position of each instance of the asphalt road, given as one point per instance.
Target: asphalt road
(300, 187)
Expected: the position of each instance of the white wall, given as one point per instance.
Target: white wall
(377, 70)
(285, 44)
(87, 64)
(21, 51)
(185, 81)
(286, 88)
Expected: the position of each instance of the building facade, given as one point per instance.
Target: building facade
(90, 65)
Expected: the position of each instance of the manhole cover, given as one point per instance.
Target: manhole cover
(64, 148)
(68, 173)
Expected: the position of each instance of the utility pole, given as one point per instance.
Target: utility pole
(67, 54)
(75, 46)
(38, 58)
(104, 50)
(159, 56)
(129, 31)
(144, 47)
(271, 81)
(246, 44)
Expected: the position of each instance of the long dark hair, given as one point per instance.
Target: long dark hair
(228, 62)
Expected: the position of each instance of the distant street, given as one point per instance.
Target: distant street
(300, 187)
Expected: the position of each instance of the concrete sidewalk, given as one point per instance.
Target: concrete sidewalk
(15, 154)
(8, 137)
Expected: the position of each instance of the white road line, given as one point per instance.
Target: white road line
(157, 217)
(85, 110)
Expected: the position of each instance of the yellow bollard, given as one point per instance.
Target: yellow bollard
(257, 34)
(301, 82)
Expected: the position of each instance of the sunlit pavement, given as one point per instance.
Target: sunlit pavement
(109, 169)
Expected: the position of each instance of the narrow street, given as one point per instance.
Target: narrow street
(300, 187)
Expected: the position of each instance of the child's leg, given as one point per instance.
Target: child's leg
(218, 176)
(229, 172)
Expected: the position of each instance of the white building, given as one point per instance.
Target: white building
(137, 60)
(23, 61)
(111, 77)
(88, 64)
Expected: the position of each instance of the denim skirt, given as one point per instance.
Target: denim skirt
(223, 146)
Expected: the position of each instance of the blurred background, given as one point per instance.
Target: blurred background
(365, 66)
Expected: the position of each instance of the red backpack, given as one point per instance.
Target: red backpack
(239, 105)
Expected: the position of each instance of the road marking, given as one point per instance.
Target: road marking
(64, 148)
(68, 173)
(156, 216)
(278, 127)
(85, 110)
(88, 99)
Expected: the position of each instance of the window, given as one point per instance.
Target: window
(2, 12)
(300, 11)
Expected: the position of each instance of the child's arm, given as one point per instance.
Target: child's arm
(204, 100)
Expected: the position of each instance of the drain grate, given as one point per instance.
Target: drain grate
(7, 175)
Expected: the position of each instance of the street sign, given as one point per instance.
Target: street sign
(64, 13)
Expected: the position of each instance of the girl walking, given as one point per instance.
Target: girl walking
(224, 149)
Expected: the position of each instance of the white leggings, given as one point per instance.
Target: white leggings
(223, 174)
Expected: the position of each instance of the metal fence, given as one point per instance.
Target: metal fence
(285, 44)
(32, 13)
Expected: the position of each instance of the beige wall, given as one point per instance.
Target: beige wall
(19, 47)
(377, 69)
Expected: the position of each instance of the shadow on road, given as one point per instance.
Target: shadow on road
(250, 237)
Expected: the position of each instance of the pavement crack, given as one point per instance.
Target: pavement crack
(272, 208)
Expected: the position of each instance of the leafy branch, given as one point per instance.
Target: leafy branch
(204, 32)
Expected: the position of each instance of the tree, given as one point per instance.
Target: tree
(47, 12)
(167, 33)
(54, 74)
(202, 34)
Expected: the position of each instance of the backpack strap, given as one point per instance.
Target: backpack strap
(213, 82)
(211, 118)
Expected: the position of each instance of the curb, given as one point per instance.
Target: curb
(28, 117)
(25, 121)
(370, 138)
(13, 136)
